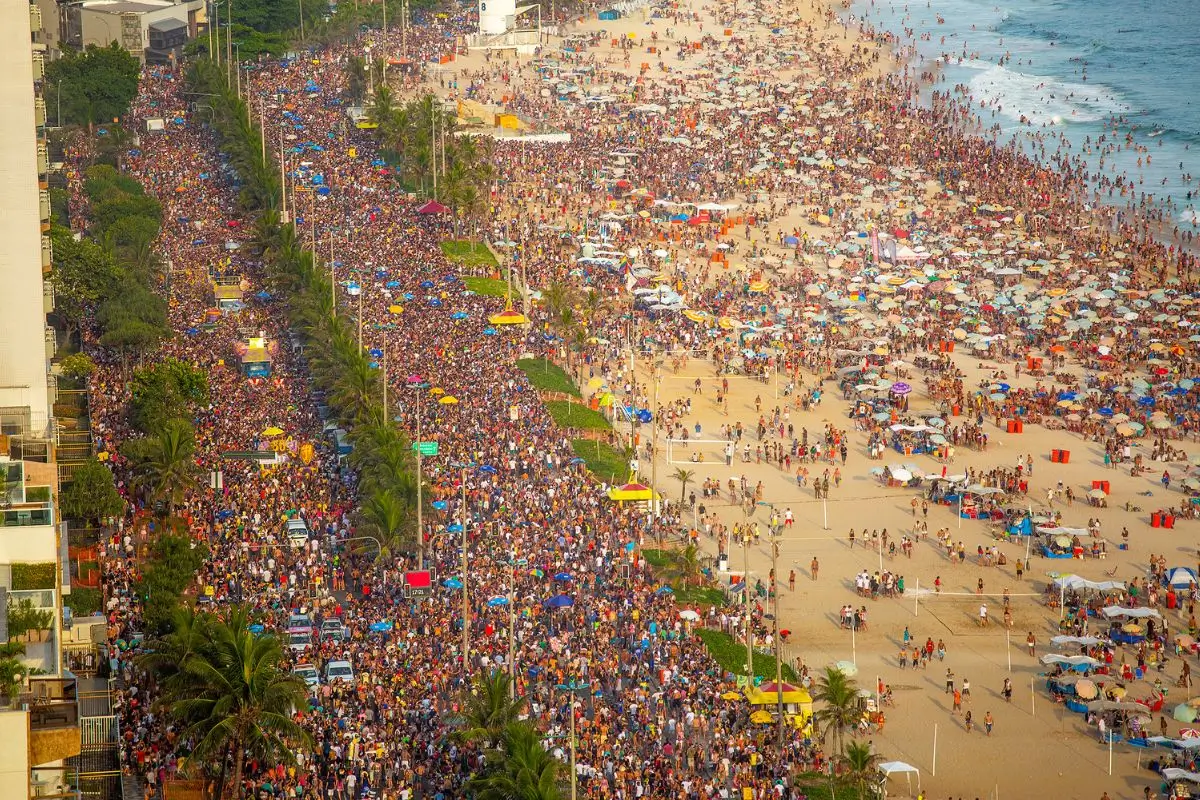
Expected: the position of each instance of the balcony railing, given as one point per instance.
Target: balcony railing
(52, 703)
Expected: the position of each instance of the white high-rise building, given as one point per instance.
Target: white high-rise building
(26, 343)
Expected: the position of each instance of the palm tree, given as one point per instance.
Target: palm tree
(684, 566)
(234, 696)
(839, 698)
(166, 657)
(525, 771)
(385, 516)
(861, 766)
(684, 476)
(489, 708)
(168, 471)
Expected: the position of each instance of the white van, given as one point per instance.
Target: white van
(297, 533)
(339, 671)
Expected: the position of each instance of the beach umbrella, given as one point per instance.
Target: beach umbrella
(452, 583)
(273, 431)
(689, 615)
(1184, 713)
(847, 668)
(731, 696)
(562, 576)
(560, 601)
(901, 388)
(498, 601)
(1086, 689)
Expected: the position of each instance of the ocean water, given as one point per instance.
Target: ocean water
(1067, 70)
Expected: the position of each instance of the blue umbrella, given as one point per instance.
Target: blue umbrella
(256, 628)
(408, 295)
(630, 547)
(562, 576)
(376, 352)
(426, 284)
(665, 590)
(488, 468)
(1105, 411)
(392, 284)
(192, 331)
(435, 302)
(440, 505)
(452, 583)
(381, 627)
(263, 295)
(498, 601)
(459, 315)
(489, 331)
(560, 601)
(454, 527)
(577, 460)
(1146, 401)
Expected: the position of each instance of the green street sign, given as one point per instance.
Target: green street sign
(426, 448)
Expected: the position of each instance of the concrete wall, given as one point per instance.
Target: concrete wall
(14, 755)
(23, 362)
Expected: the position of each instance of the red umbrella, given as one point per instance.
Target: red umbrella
(432, 207)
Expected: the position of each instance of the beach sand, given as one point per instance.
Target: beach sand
(1038, 749)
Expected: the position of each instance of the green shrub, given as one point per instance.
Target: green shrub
(34, 576)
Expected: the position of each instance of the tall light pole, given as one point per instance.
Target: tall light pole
(571, 688)
(466, 606)
(746, 589)
(237, 65)
(654, 498)
(778, 645)
(418, 383)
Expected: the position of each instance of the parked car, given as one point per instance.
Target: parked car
(308, 673)
(339, 671)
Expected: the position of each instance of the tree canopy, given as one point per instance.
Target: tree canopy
(96, 85)
(91, 494)
(167, 390)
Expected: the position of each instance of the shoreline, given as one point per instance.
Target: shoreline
(1163, 229)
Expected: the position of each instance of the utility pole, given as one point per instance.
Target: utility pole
(746, 589)
(654, 499)
(229, 36)
(262, 128)
(512, 622)
(778, 644)
(332, 280)
(466, 608)
(283, 217)
(420, 504)
(433, 143)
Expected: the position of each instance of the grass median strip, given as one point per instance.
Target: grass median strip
(602, 459)
(576, 415)
(488, 287)
(731, 655)
(546, 376)
(469, 254)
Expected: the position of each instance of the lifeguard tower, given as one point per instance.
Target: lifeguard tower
(504, 25)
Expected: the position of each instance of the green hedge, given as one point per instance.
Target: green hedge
(546, 376)
(731, 655)
(576, 415)
(604, 462)
(34, 576)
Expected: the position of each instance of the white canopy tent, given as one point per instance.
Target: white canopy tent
(890, 768)
(1118, 611)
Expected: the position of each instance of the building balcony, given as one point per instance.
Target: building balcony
(53, 706)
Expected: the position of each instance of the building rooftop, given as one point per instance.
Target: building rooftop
(125, 6)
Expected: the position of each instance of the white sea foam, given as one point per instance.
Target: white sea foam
(1042, 100)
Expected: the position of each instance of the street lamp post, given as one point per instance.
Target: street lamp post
(418, 383)
(778, 645)
(466, 607)
(571, 688)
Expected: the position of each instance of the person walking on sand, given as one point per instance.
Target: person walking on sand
(957, 707)
(949, 681)
(1031, 642)
(814, 567)
(792, 580)
(988, 722)
(968, 722)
